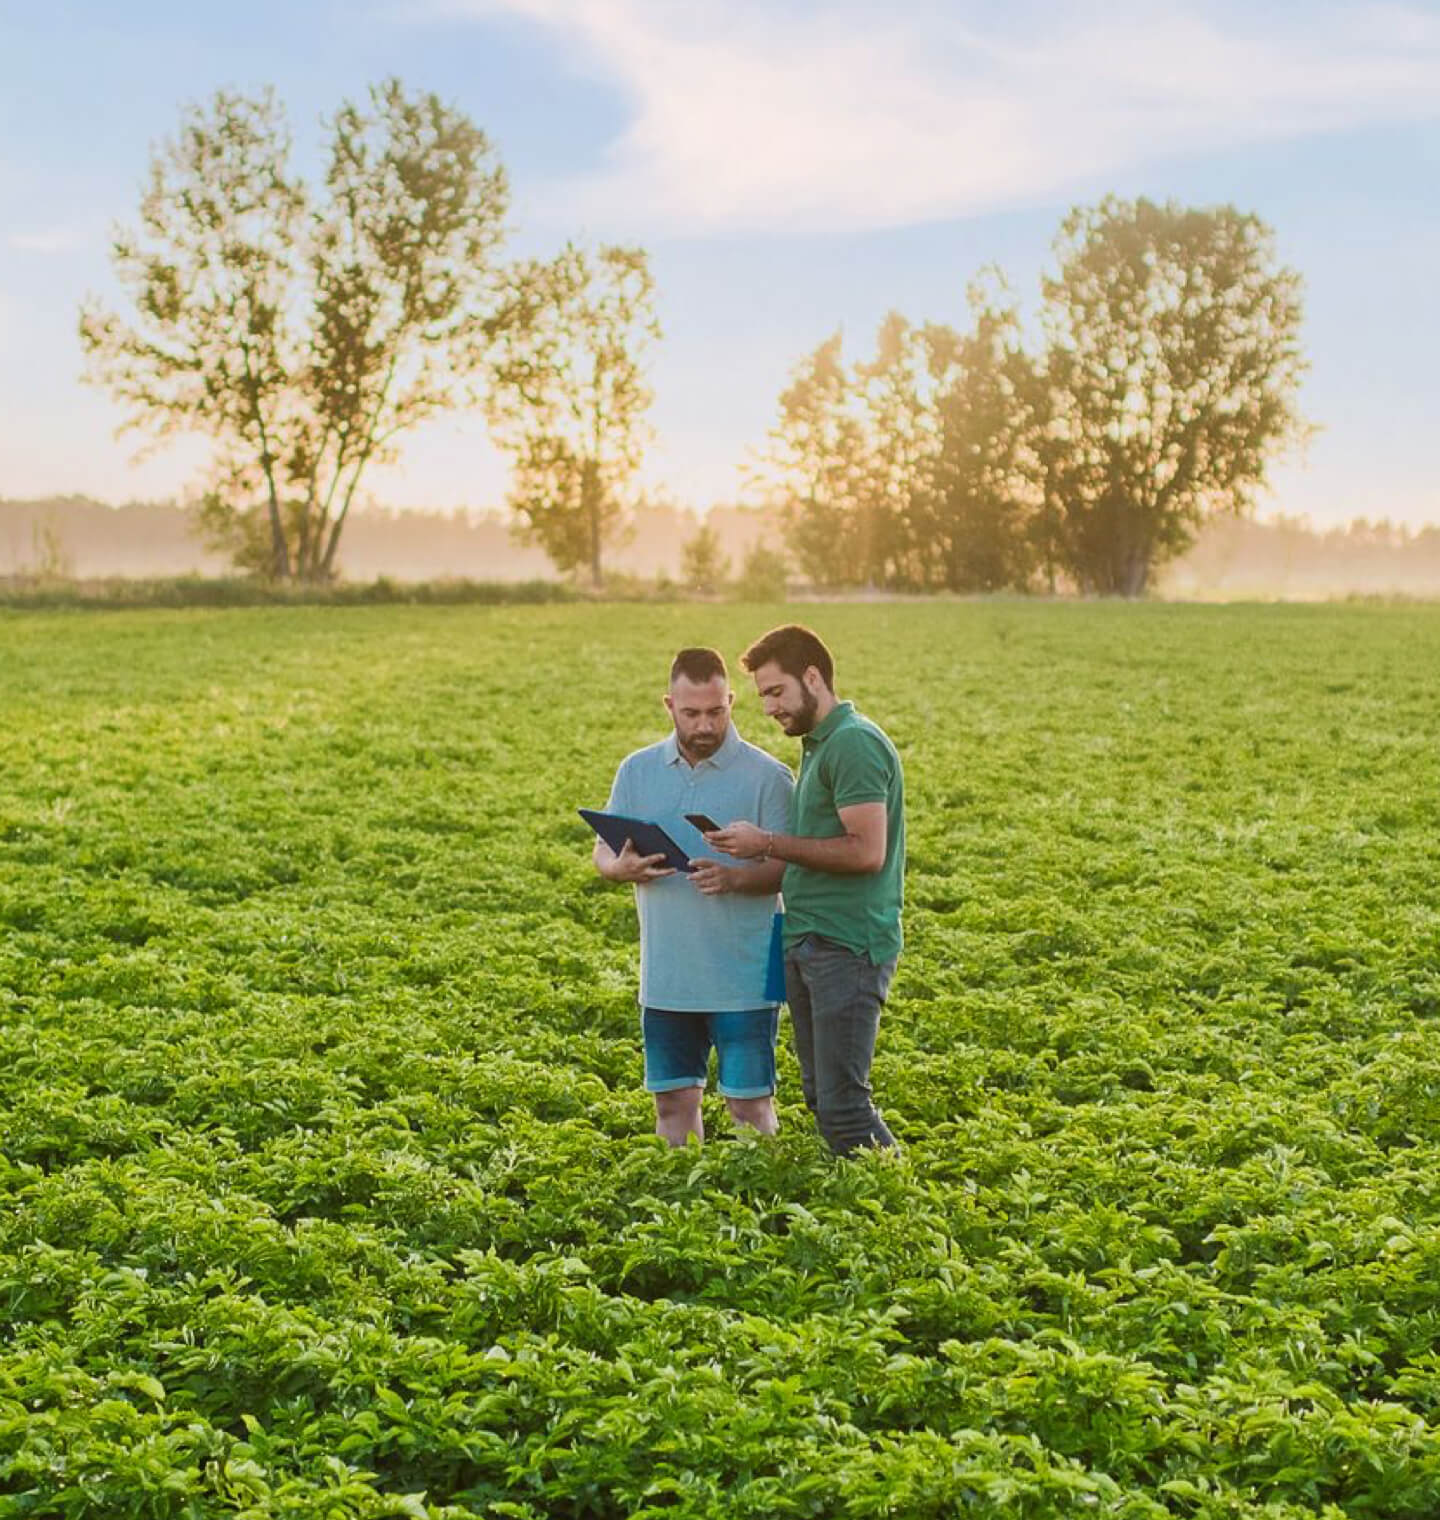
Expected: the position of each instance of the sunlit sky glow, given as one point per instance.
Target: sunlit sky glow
(792, 167)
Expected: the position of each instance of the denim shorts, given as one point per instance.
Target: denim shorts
(677, 1050)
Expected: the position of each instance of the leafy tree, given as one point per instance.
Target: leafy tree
(53, 560)
(976, 534)
(1170, 380)
(303, 336)
(910, 471)
(848, 455)
(817, 465)
(569, 396)
(704, 566)
(899, 391)
(762, 575)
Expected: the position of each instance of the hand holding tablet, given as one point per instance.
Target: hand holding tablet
(647, 839)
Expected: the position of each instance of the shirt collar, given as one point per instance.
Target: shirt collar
(724, 756)
(837, 717)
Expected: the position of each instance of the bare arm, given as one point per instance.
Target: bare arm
(859, 851)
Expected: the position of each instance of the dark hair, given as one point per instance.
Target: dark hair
(794, 649)
(699, 666)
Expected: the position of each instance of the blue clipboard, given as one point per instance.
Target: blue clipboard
(775, 965)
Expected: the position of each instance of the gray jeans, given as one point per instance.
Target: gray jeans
(835, 998)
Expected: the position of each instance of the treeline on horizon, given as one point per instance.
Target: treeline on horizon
(78, 538)
(308, 328)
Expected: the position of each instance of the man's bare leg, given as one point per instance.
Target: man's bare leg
(677, 1114)
(754, 1113)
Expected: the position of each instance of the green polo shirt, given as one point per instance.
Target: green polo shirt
(847, 759)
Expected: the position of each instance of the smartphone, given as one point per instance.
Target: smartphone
(702, 821)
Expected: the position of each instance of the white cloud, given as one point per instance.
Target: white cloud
(751, 116)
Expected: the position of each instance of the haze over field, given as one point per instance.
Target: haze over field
(792, 169)
(1232, 559)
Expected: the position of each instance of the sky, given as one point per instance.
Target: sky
(792, 167)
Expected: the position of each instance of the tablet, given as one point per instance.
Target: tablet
(649, 838)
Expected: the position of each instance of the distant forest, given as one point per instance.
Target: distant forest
(75, 537)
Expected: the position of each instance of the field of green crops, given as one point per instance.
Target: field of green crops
(326, 1180)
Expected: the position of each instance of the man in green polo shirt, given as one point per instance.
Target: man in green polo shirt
(844, 879)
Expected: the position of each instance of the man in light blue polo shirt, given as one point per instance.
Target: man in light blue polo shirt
(704, 935)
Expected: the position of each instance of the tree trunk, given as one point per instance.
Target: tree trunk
(1134, 572)
(279, 549)
(303, 552)
(326, 568)
(591, 504)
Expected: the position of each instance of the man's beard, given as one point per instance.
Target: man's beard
(802, 722)
(702, 746)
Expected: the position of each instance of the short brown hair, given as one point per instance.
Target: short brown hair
(699, 665)
(794, 648)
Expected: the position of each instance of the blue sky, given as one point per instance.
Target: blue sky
(792, 167)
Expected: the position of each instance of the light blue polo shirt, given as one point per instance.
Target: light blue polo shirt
(703, 954)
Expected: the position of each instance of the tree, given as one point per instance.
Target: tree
(762, 575)
(704, 566)
(1169, 381)
(304, 337)
(848, 455)
(909, 471)
(53, 559)
(569, 397)
(982, 501)
(816, 466)
(900, 391)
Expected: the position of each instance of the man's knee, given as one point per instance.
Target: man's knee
(678, 1102)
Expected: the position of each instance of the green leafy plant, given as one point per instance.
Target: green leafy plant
(327, 1178)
